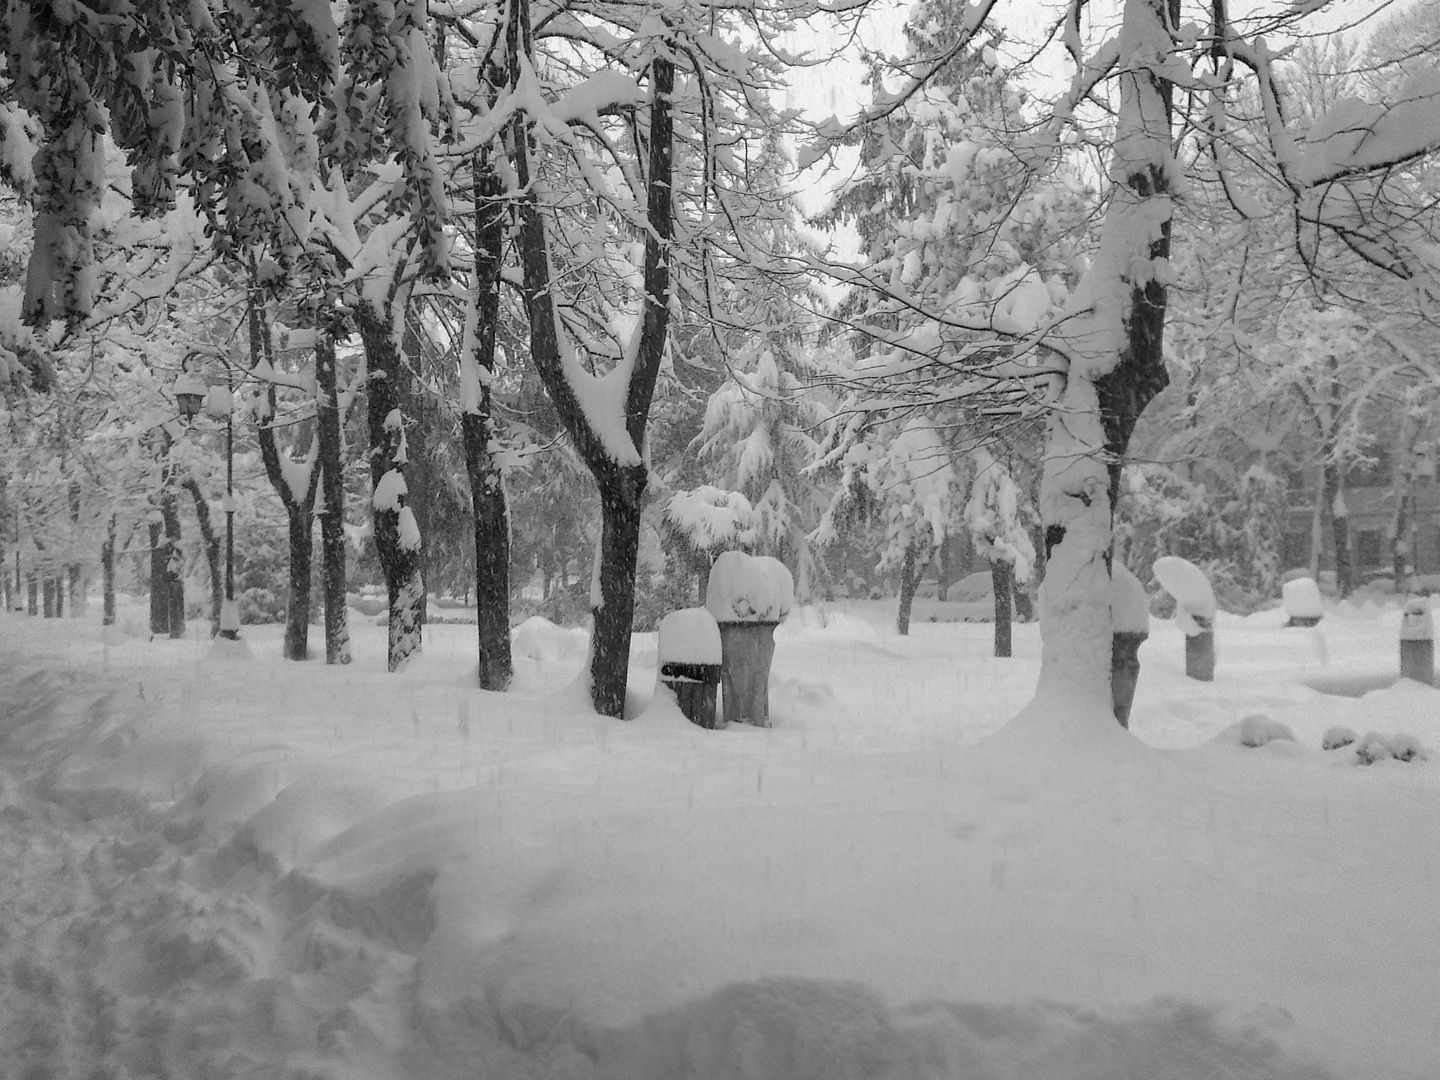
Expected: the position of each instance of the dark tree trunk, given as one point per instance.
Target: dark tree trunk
(394, 543)
(621, 500)
(32, 599)
(107, 574)
(477, 423)
(211, 543)
(299, 505)
(47, 592)
(159, 581)
(1024, 602)
(77, 591)
(1002, 576)
(297, 608)
(174, 567)
(621, 482)
(909, 581)
(60, 594)
(332, 493)
(420, 480)
(1339, 531)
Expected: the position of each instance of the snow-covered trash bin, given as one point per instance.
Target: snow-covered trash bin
(690, 654)
(1417, 642)
(748, 597)
(1130, 625)
(1194, 612)
(1301, 598)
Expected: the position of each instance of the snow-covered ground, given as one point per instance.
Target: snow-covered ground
(214, 867)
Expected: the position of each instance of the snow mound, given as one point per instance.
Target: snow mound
(689, 636)
(1255, 731)
(749, 588)
(1400, 747)
(1129, 606)
(1301, 597)
(540, 639)
(1338, 737)
(1194, 598)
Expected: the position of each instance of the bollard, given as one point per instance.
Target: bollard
(1417, 643)
(1124, 672)
(1303, 604)
(1200, 651)
(690, 653)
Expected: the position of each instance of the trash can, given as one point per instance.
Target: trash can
(689, 655)
(1417, 643)
(695, 687)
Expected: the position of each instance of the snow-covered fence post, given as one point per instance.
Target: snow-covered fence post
(1303, 606)
(1194, 611)
(1130, 619)
(748, 596)
(690, 656)
(1417, 642)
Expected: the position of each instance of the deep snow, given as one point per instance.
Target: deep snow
(214, 866)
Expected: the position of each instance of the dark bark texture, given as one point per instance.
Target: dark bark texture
(909, 581)
(1002, 578)
(332, 494)
(211, 544)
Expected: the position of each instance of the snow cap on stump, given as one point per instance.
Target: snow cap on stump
(1301, 597)
(689, 636)
(1129, 606)
(1194, 598)
(749, 588)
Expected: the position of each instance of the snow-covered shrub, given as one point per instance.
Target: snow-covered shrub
(1406, 747)
(1372, 748)
(260, 605)
(1338, 737)
(1258, 729)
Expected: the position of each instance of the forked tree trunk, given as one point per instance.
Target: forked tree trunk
(296, 485)
(1116, 367)
(477, 425)
(211, 543)
(619, 471)
(1002, 577)
(332, 494)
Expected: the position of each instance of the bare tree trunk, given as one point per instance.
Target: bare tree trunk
(299, 504)
(397, 540)
(47, 592)
(297, 607)
(32, 599)
(77, 591)
(107, 573)
(477, 423)
(1339, 530)
(1002, 576)
(621, 481)
(909, 580)
(211, 544)
(332, 492)
(174, 566)
(159, 580)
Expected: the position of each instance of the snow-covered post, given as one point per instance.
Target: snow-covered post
(1303, 606)
(690, 657)
(748, 596)
(1130, 617)
(1194, 611)
(1417, 642)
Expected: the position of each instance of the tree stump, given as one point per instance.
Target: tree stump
(695, 687)
(1200, 652)
(1124, 672)
(748, 649)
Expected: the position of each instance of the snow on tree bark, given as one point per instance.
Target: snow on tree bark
(398, 551)
(211, 544)
(478, 430)
(329, 442)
